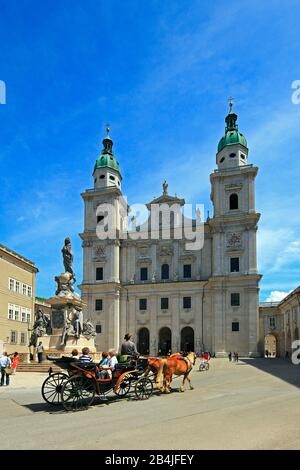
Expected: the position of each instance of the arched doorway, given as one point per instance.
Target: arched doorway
(187, 339)
(165, 343)
(143, 341)
(270, 346)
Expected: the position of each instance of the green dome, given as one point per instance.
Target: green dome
(107, 158)
(232, 137)
(232, 134)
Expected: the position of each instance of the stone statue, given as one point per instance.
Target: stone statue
(88, 329)
(67, 331)
(73, 325)
(68, 257)
(40, 327)
(154, 276)
(66, 280)
(175, 276)
(165, 187)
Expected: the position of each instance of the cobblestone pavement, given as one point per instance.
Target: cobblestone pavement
(250, 405)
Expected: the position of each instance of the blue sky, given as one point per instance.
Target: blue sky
(160, 72)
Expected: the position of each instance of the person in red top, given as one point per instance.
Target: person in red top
(14, 362)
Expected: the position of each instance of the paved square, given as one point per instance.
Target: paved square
(250, 405)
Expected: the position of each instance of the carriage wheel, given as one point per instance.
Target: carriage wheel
(52, 387)
(77, 393)
(143, 388)
(125, 385)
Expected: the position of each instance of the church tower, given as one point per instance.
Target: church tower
(103, 209)
(235, 280)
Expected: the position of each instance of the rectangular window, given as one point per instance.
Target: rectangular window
(234, 265)
(98, 328)
(272, 322)
(235, 326)
(143, 304)
(29, 291)
(23, 315)
(235, 300)
(13, 337)
(187, 302)
(144, 274)
(17, 313)
(18, 287)
(23, 338)
(98, 304)
(164, 303)
(99, 274)
(28, 315)
(10, 312)
(24, 289)
(11, 284)
(187, 271)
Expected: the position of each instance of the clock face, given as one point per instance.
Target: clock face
(58, 319)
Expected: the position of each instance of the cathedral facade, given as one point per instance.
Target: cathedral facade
(169, 294)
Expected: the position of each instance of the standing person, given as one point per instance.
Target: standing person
(230, 356)
(237, 357)
(5, 364)
(15, 362)
(40, 350)
(128, 347)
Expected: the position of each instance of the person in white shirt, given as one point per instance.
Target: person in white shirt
(107, 369)
(5, 363)
(113, 361)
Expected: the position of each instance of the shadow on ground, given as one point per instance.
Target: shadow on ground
(44, 407)
(280, 368)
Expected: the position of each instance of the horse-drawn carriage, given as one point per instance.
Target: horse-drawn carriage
(77, 388)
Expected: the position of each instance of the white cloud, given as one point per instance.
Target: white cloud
(276, 296)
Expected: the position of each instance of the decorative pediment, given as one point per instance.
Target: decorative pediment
(165, 250)
(100, 252)
(234, 186)
(234, 240)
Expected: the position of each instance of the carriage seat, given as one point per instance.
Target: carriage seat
(90, 366)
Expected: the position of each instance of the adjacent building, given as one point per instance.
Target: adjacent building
(280, 325)
(169, 296)
(17, 300)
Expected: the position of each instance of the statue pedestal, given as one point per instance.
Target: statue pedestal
(52, 344)
(65, 309)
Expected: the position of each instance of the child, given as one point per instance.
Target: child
(85, 355)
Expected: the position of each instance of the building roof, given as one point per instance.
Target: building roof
(18, 256)
(107, 159)
(232, 135)
(290, 295)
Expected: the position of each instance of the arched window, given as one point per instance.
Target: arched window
(233, 201)
(165, 271)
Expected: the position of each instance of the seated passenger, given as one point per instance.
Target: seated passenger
(112, 361)
(104, 359)
(85, 355)
(75, 354)
(108, 368)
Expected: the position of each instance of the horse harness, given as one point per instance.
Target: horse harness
(188, 363)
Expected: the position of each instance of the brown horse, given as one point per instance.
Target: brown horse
(156, 365)
(178, 365)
